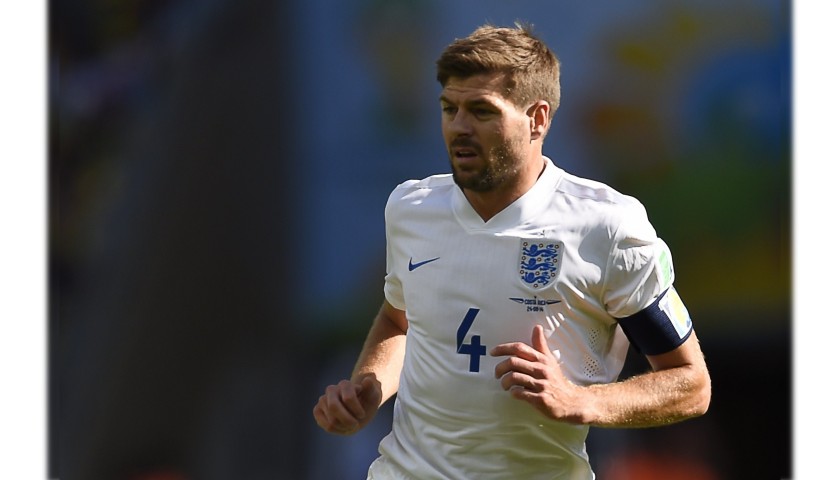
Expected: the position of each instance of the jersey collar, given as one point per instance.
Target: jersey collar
(518, 213)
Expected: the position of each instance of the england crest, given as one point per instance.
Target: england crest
(539, 262)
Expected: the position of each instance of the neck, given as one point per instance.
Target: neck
(488, 204)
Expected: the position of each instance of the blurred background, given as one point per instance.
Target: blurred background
(217, 174)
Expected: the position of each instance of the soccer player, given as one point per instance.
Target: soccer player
(512, 293)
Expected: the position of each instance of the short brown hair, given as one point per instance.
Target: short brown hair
(532, 69)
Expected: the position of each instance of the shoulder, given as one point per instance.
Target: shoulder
(594, 192)
(596, 202)
(426, 185)
(415, 192)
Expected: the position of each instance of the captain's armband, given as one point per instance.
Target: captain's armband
(659, 328)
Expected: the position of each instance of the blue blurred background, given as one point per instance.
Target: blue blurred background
(217, 173)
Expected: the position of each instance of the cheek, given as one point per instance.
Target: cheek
(511, 134)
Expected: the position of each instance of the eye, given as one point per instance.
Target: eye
(448, 109)
(482, 113)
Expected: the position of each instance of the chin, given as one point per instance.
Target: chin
(473, 181)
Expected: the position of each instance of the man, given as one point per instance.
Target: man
(513, 258)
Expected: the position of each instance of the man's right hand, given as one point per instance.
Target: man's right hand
(345, 408)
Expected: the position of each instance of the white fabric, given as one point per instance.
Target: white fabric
(452, 423)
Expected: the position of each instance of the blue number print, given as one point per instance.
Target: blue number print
(474, 349)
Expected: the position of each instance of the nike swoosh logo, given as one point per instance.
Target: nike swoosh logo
(412, 266)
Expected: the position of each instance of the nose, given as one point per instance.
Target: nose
(459, 124)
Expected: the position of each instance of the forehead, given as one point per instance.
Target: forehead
(484, 87)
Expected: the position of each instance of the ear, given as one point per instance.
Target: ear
(539, 113)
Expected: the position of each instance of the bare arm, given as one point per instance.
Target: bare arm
(382, 354)
(677, 389)
(349, 405)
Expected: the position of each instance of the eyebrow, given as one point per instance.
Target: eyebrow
(469, 103)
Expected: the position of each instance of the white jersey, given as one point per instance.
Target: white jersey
(571, 255)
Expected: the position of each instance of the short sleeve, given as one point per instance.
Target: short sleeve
(639, 269)
(393, 285)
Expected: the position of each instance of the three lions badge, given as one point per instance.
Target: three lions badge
(539, 262)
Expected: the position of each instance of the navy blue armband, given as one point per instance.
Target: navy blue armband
(661, 327)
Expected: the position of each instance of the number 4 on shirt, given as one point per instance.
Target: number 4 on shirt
(474, 349)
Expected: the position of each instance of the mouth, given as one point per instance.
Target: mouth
(464, 153)
(463, 150)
